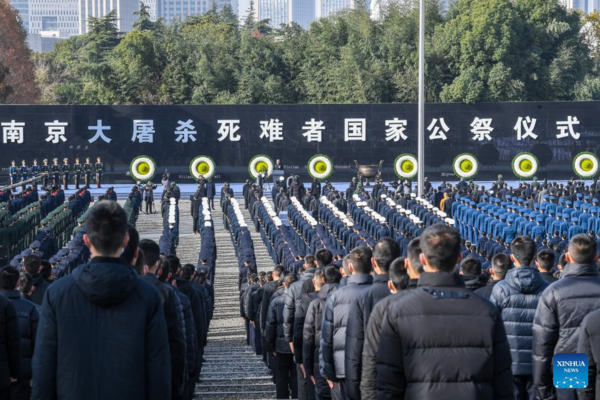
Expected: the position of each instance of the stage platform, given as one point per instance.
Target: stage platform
(187, 190)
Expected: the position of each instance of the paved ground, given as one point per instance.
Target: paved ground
(231, 370)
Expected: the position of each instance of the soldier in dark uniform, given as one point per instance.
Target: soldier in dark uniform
(76, 172)
(149, 197)
(66, 169)
(87, 172)
(55, 169)
(35, 172)
(13, 172)
(24, 172)
(45, 169)
(99, 172)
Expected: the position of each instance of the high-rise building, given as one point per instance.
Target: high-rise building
(180, 9)
(54, 15)
(99, 9)
(327, 8)
(22, 6)
(281, 12)
(302, 12)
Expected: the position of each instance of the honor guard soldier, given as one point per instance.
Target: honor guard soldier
(76, 172)
(12, 172)
(45, 169)
(55, 169)
(66, 168)
(87, 171)
(24, 172)
(99, 171)
(35, 172)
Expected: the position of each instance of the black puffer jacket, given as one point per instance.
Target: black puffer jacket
(360, 312)
(335, 321)
(589, 344)
(28, 316)
(517, 298)
(175, 329)
(198, 313)
(299, 318)
(294, 293)
(274, 333)
(269, 290)
(311, 333)
(442, 341)
(40, 289)
(191, 344)
(561, 309)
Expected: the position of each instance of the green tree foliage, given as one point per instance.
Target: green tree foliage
(477, 50)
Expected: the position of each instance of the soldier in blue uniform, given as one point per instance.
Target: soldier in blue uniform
(99, 171)
(55, 169)
(66, 169)
(24, 172)
(76, 172)
(87, 172)
(45, 170)
(35, 172)
(575, 229)
(12, 172)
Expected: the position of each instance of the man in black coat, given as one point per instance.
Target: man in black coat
(545, 264)
(173, 315)
(335, 320)
(286, 382)
(400, 273)
(589, 344)
(561, 309)
(32, 266)
(311, 334)
(211, 191)
(269, 290)
(470, 269)
(386, 251)
(120, 333)
(501, 263)
(28, 317)
(435, 339)
(195, 211)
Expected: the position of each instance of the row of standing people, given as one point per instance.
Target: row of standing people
(58, 172)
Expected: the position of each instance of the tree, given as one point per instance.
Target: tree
(17, 74)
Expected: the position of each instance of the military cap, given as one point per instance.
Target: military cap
(54, 260)
(35, 245)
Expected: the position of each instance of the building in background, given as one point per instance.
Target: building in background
(99, 9)
(42, 42)
(22, 6)
(285, 12)
(328, 8)
(60, 16)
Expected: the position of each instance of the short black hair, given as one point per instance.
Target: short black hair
(175, 263)
(582, 249)
(140, 262)
(545, 260)
(164, 268)
(386, 251)
(309, 259)
(134, 240)
(470, 266)
(332, 275)
(107, 226)
(501, 263)
(25, 283)
(399, 274)
(278, 270)
(46, 270)
(360, 259)
(187, 271)
(9, 277)
(413, 252)
(151, 251)
(289, 279)
(441, 246)
(523, 250)
(324, 257)
(32, 264)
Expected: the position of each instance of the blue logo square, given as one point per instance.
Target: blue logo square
(570, 371)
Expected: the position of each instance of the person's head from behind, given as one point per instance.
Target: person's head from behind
(318, 280)
(106, 229)
(163, 272)
(470, 266)
(385, 251)
(360, 260)
(288, 280)
(501, 263)
(278, 272)
(131, 251)
(151, 255)
(324, 257)
(413, 259)
(345, 270)
(331, 275)
(399, 278)
(440, 246)
(523, 251)
(26, 284)
(309, 261)
(140, 262)
(32, 265)
(545, 260)
(582, 250)
(175, 265)
(9, 278)
(187, 272)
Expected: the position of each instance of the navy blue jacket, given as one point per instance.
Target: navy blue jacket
(517, 297)
(98, 325)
